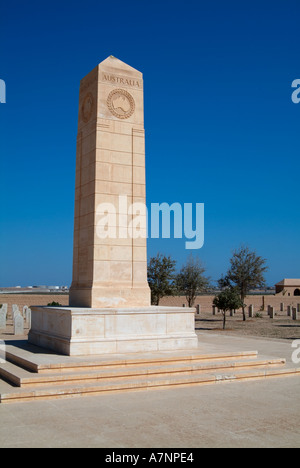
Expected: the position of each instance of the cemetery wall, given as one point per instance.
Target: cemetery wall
(206, 302)
(29, 300)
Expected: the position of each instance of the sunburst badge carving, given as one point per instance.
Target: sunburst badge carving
(121, 104)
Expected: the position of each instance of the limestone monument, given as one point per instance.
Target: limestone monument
(110, 309)
(110, 163)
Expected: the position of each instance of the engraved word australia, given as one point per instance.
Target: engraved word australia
(114, 79)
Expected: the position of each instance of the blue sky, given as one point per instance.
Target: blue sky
(221, 128)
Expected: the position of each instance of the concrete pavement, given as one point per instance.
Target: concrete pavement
(238, 414)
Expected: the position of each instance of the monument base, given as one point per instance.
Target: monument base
(79, 331)
(99, 298)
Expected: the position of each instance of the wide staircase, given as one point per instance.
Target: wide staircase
(31, 373)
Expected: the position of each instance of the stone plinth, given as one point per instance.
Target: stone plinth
(81, 331)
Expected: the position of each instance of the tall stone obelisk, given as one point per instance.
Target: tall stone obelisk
(110, 309)
(110, 169)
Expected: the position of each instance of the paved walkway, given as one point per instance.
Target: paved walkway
(249, 414)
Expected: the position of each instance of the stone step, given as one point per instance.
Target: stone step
(32, 373)
(34, 359)
(117, 385)
(23, 378)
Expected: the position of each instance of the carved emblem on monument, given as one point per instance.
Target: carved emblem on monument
(87, 107)
(121, 104)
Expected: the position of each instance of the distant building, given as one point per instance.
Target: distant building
(288, 287)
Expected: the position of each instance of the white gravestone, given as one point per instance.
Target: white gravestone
(2, 352)
(16, 312)
(28, 317)
(3, 315)
(18, 325)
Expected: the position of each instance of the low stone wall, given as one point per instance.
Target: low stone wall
(257, 301)
(29, 300)
(206, 302)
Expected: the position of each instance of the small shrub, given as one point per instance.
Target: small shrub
(54, 304)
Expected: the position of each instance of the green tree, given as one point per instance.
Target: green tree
(227, 300)
(161, 275)
(191, 281)
(245, 273)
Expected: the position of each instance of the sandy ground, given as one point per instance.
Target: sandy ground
(281, 327)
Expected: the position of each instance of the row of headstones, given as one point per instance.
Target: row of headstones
(291, 311)
(215, 310)
(19, 319)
